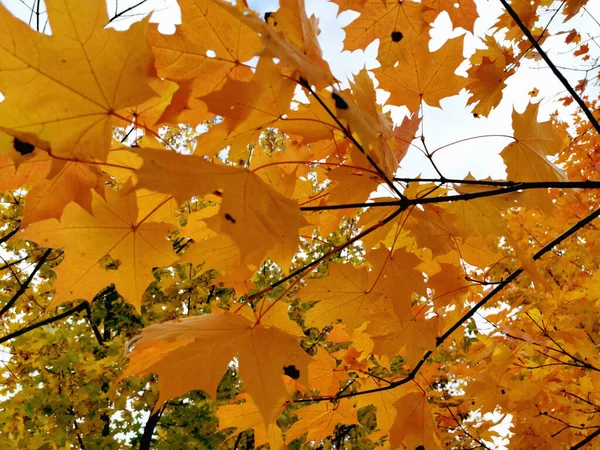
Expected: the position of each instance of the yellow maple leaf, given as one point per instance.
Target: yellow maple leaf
(526, 159)
(414, 426)
(87, 73)
(320, 419)
(121, 244)
(193, 353)
(259, 219)
(423, 76)
(246, 415)
(344, 295)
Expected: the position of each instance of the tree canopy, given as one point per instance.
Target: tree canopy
(207, 239)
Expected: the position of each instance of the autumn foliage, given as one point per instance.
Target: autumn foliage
(208, 241)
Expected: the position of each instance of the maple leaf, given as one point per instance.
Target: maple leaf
(256, 217)
(301, 54)
(209, 49)
(462, 13)
(68, 181)
(246, 109)
(324, 375)
(526, 159)
(275, 240)
(572, 8)
(414, 426)
(246, 415)
(383, 401)
(413, 333)
(92, 73)
(172, 350)
(422, 76)
(345, 295)
(398, 26)
(487, 84)
(124, 228)
(320, 419)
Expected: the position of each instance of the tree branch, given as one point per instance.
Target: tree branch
(586, 440)
(411, 376)
(10, 234)
(126, 10)
(330, 253)
(510, 186)
(22, 331)
(552, 66)
(149, 429)
(88, 313)
(25, 285)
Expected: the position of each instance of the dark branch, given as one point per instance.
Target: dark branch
(149, 429)
(587, 440)
(126, 10)
(552, 66)
(457, 181)
(25, 285)
(6, 237)
(510, 186)
(88, 313)
(441, 339)
(22, 331)
(329, 254)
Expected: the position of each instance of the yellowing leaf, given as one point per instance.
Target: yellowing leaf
(463, 13)
(86, 72)
(415, 334)
(487, 84)
(324, 375)
(114, 245)
(244, 416)
(422, 76)
(207, 50)
(303, 57)
(398, 26)
(526, 159)
(414, 426)
(68, 181)
(194, 353)
(344, 295)
(320, 419)
(255, 216)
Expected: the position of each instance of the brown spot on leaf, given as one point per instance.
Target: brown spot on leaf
(396, 36)
(24, 148)
(291, 372)
(340, 103)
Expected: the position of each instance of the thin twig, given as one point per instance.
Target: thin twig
(126, 10)
(510, 187)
